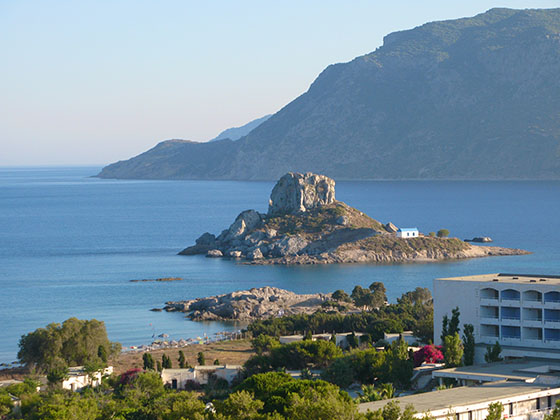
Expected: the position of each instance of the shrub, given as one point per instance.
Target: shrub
(442, 233)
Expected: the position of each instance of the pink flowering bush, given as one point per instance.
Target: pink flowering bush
(428, 354)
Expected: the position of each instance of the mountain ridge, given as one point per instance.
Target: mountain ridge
(235, 133)
(471, 98)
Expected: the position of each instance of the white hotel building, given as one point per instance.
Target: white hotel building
(520, 311)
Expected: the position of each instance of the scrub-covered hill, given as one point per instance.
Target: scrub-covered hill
(472, 98)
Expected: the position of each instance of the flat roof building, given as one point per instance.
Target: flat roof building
(519, 311)
(521, 401)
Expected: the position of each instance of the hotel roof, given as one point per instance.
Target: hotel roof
(524, 370)
(510, 278)
(462, 396)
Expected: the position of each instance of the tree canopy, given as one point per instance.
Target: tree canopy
(75, 342)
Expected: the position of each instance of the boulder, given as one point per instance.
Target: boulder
(255, 254)
(342, 220)
(296, 193)
(271, 233)
(235, 254)
(214, 253)
(203, 244)
(206, 239)
(247, 221)
(391, 228)
(289, 245)
(255, 237)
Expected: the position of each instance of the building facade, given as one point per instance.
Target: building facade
(78, 378)
(519, 311)
(180, 378)
(407, 233)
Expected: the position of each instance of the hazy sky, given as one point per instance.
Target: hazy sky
(92, 82)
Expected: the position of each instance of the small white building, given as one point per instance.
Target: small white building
(78, 378)
(178, 378)
(407, 233)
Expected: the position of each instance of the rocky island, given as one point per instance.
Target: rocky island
(244, 305)
(305, 224)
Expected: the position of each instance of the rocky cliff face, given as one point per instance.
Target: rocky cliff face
(297, 193)
(306, 225)
(474, 98)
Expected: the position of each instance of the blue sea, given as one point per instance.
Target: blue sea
(70, 244)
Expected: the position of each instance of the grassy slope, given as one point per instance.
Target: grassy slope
(316, 223)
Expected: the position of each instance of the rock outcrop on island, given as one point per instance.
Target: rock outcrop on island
(306, 225)
(257, 303)
(297, 193)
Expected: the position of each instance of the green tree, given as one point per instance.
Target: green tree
(352, 340)
(399, 365)
(340, 372)
(468, 344)
(263, 343)
(361, 296)
(453, 326)
(424, 328)
(392, 411)
(148, 361)
(73, 343)
(442, 233)
(217, 362)
(450, 326)
(182, 360)
(241, 405)
(159, 368)
(453, 350)
(320, 403)
(57, 374)
(102, 353)
(59, 406)
(264, 385)
(6, 404)
(341, 296)
(368, 394)
(493, 353)
(378, 294)
(308, 335)
(432, 234)
(555, 414)
(495, 411)
(166, 362)
(444, 328)
(201, 359)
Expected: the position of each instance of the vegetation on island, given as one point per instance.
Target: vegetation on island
(321, 220)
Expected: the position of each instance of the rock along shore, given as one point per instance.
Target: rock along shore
(256, 303)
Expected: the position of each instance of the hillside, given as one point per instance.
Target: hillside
(473, 98)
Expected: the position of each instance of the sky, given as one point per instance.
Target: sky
(93, 82)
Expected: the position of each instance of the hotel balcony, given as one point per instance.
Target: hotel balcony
(489, 302)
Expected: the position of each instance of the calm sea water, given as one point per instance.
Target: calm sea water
(70, 244)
